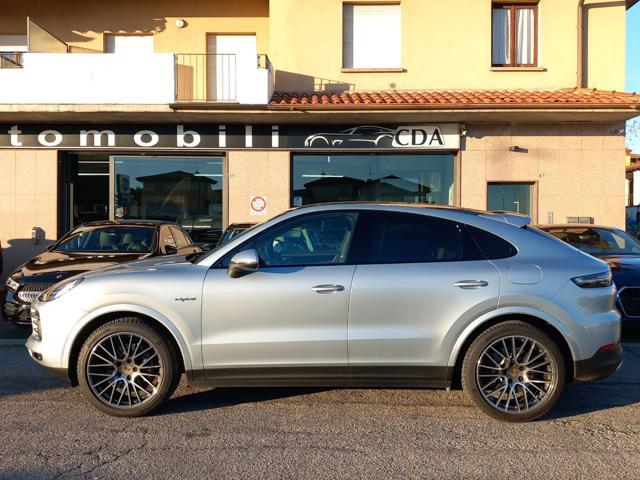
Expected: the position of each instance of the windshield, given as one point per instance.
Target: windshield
(109, 240)
(598, 241)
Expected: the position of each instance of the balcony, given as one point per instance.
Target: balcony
(223, 78)
(87, 78)
(157, 78)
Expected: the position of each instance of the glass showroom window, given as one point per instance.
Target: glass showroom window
(185, 190)
(423, 178)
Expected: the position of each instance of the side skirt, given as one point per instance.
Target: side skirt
(354, 376)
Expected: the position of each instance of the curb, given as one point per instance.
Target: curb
(12, 342)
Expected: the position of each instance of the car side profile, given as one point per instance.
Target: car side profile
(353, 137)
(347, 294)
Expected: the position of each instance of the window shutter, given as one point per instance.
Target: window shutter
(128, 44)
(371, 36)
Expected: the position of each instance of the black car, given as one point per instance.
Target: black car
(619, 249)
(89, 247)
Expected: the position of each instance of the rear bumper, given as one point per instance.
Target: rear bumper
(601, 365)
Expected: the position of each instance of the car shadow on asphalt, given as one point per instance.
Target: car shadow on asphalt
(232, 396)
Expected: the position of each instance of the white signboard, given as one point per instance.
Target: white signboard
(443, 137)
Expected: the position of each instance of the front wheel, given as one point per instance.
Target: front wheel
(514, 372)
(127, 368)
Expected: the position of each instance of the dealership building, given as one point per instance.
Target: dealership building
(212, 113)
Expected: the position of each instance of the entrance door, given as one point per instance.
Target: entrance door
(231, 60)
(289, 318)
(510, 197)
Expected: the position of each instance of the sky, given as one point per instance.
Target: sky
(633, 71)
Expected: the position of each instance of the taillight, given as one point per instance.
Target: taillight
(594, 281)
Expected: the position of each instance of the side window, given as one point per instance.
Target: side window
(319, 239)
(491, 245)
(411, 238)
(167, 242)
(179, 236)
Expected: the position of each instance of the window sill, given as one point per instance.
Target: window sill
(373, 70)
(518, 69)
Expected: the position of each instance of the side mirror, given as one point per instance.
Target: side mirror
(243, 263)
(170, 250)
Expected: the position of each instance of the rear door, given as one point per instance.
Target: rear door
(419, 280)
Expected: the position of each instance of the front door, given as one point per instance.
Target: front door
(417, 277)
(290, 317)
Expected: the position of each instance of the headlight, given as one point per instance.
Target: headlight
(594, 281)
(12, 284)
(59, 289)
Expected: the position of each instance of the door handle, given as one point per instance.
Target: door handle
(471, 284)
(327, 288)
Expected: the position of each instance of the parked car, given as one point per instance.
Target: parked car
(233, 230)
(619, 249)
(88, 247)
(347, 294)
(206, 238)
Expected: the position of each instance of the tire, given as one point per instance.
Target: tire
(104, 372)
(530, 392)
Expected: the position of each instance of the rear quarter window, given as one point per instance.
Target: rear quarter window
(492, 246)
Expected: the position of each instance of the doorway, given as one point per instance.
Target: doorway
(230, 59)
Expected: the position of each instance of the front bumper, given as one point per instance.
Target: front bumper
(601, 365)
(15, 310)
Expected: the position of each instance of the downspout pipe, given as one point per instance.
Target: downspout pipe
(580, 55)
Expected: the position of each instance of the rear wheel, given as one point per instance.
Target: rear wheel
(514, 372)
(127, 368)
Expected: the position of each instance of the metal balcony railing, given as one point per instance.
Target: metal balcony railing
(215, 77)
(10, 59)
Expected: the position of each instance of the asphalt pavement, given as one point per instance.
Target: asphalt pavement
(49, 431)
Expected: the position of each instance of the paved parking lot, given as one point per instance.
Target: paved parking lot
(49, 431)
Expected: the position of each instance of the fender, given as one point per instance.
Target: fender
(499, 312)
(185, 350)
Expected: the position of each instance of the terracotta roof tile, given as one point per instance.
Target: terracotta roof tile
(463, 98)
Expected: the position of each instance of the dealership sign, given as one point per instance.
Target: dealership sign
(232, 136)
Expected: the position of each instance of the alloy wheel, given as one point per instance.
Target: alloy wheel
(124, 370)
(516, 374)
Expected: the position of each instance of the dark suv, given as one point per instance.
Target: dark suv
(89, 247)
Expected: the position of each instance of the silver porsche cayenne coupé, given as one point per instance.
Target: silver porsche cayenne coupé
(353, 294)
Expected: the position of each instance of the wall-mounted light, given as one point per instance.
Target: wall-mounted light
(181, 23)
(619, 131)
(518, 149)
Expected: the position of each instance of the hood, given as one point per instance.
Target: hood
(623, 262)
(625, 270)
(149, 264)
(52, 267)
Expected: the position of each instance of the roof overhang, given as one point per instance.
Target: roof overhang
(313, 114)
(631, 3)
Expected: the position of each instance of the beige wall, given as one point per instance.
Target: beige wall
(578, 169)
(82, 24)
(28, 198)
(258, 173)
(447, 44)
